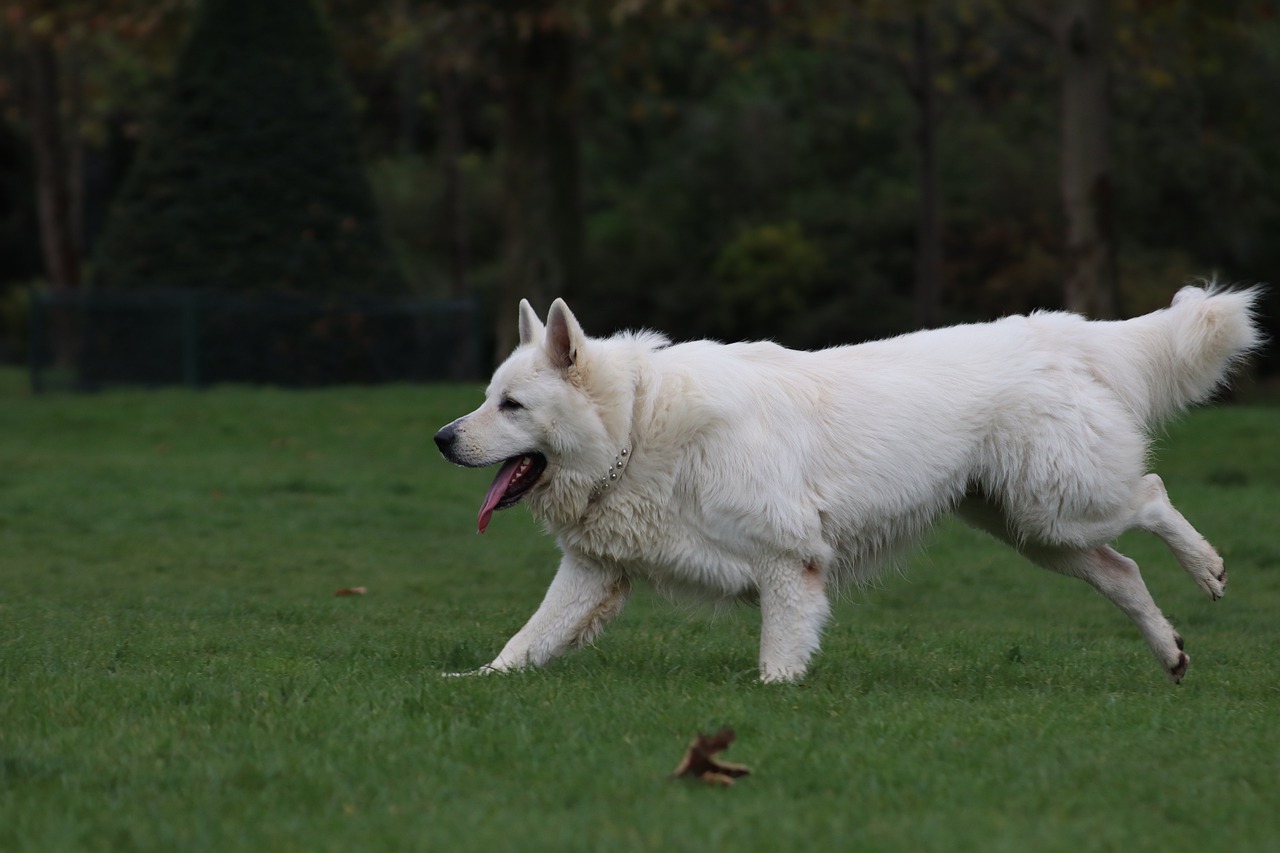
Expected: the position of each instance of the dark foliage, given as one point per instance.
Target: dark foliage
(252, 177)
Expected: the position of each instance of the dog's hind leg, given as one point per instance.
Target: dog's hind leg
(1145, 506)
(793, 610)
(1108, 571)
(1157, 515)
(1117, 577)
(578, 604)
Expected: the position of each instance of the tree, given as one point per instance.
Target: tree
(540, 149)
(64, 66)
(917, 68)
(1088, 192)
(1081, 33)
(921, 43)
(55, 189)
(251, 178)
(928, 287)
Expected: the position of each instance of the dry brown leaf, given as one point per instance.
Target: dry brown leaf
(700, 761)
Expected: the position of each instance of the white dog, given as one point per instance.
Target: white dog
(750, 470)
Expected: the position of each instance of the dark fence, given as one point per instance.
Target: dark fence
(95, 339)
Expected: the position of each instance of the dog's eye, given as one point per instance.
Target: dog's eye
(508, 404)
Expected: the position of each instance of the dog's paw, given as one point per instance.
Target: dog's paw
(1212, 578)
(1178, 668)
(483, 670)
(781, 675)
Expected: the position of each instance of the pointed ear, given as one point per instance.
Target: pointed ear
(564, 336)
(530, 326)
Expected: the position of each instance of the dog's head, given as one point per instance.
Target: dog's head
(547, 420)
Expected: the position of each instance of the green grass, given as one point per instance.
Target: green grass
(178, 675)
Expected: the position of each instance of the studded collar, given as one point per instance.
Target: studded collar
(613, 475)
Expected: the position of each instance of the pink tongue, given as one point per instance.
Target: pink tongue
(496, 490)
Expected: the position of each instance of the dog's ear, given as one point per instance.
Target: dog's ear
(564, 336)
(530, 326)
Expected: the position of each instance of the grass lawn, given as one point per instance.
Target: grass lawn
(178, 675)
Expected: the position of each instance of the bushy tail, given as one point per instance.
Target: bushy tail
(1178, 356)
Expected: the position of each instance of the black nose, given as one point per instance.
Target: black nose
(445, 438)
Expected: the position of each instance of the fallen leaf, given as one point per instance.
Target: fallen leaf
(354, 590)
(700, 761)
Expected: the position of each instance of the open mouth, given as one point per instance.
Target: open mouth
(513, 480)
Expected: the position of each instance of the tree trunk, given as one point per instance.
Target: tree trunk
(54, 207)
(1087, 193)
(454, 200)
(409, 68)
(526, 258)
(74, 146)
(928, 290)
(542, 216)
(564, 152)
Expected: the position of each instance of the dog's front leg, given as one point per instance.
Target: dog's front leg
(582, 598)
(793, 609)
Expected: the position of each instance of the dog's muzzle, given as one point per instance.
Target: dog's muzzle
(446, 438)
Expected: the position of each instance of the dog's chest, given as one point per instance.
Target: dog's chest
(658, 546)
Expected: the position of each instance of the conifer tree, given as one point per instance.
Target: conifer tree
(252, 179)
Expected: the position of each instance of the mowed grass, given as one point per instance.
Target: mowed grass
(178, 675)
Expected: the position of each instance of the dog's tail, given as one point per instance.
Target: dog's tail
(1173, 358)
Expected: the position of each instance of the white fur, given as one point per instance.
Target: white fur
(756, 470)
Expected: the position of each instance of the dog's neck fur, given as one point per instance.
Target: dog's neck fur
(612, 364)
(614, 472)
